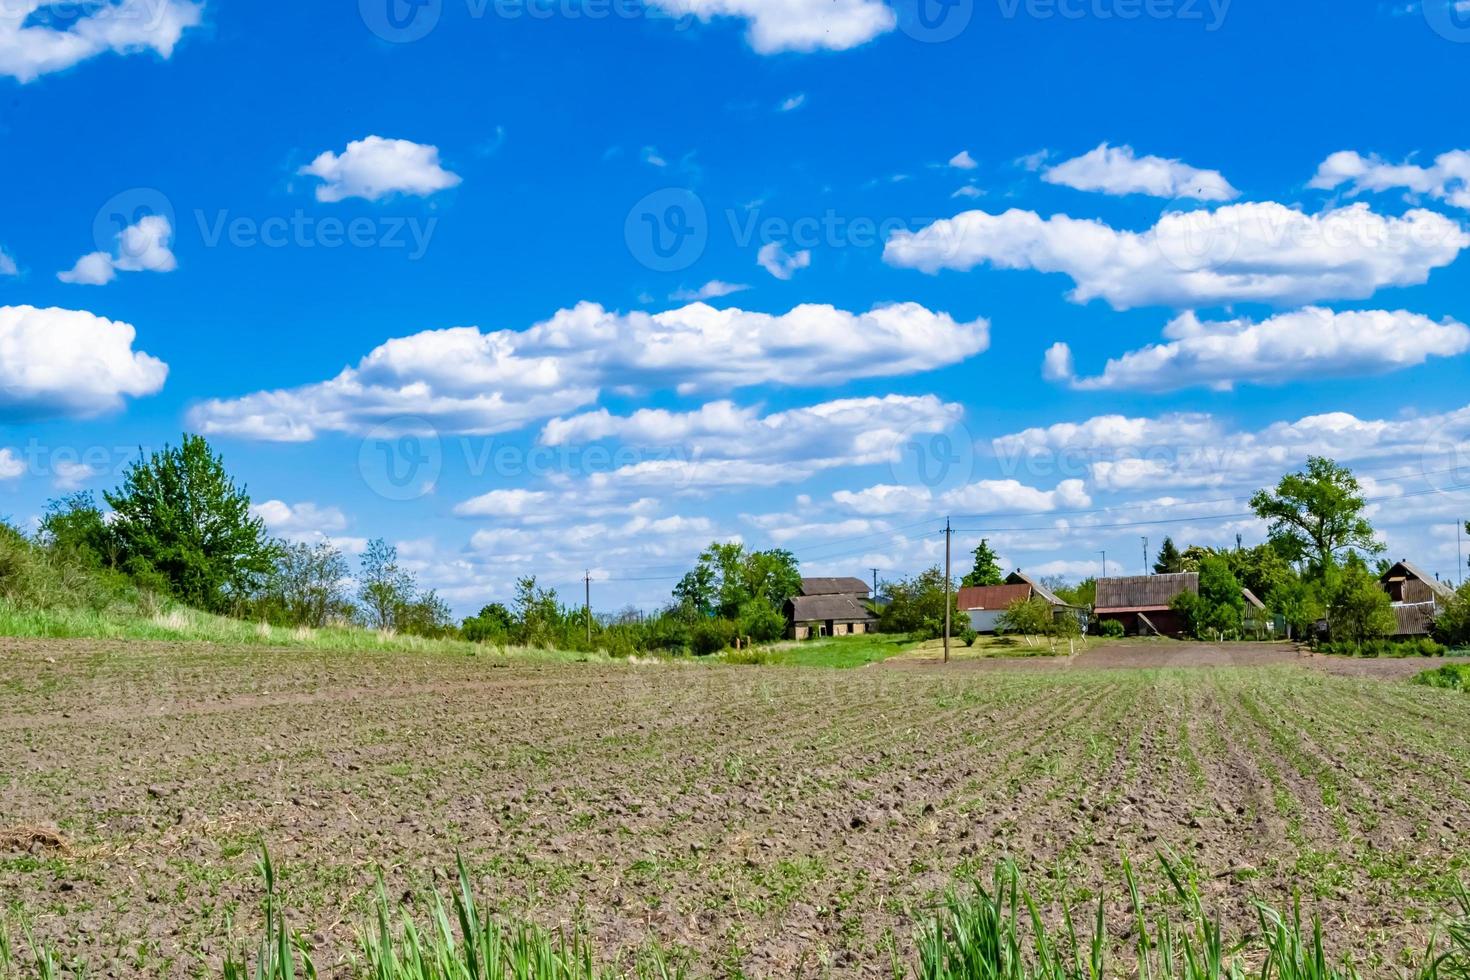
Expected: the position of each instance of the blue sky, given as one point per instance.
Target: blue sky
(1072, 272)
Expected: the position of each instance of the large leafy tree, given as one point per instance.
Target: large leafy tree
(987, 567)
(727, 577)
(1317, 515)
(180, 519)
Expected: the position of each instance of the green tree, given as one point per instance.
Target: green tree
(987, 567)
(695, 593)
(1359, 610)
(1169, 560)
(1317, 515)
(916, 605)
(537, 613)
(727, 578)
(75, 527)
(1296, 602)
(1029, 617)
(493, 624)
(180, 517)
(1083, 594)
(1452, 623)
(308, 585)
(384, 588)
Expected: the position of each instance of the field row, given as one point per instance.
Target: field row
(756, 821)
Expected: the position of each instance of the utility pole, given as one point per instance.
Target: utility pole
(1145, 556)
(1105, 563)
(587, 609)
(1460, 552)
(875, 585)
(947, 534)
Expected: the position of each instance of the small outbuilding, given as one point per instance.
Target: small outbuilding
(1416, 596)
(1142, 602)
(830, 607)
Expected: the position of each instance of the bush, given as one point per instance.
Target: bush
(1421, 647)
(1454, 677)
(1111, 628)
(761, 621)
(709, 636)
(1452, 624)
(968, 636)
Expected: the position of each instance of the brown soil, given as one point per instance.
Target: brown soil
(756, 821)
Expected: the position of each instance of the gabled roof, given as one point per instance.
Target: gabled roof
(1408, 568)
(991, 596)
(1019, 577)
(839, 608)
(1251, 600)
(834, 586)
(1142, 593)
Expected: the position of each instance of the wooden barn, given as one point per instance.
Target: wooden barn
(1416, 597)
(830, 607)
(1141, 602)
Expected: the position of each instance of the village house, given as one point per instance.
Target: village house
(830, 607)
(1416, 597)
(985, 604)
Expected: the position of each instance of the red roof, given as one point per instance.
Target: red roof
(991, 596)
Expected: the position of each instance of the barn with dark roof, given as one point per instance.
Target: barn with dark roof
(830, 607)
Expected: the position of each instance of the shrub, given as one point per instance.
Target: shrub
(1420, 647)
(968, 636)
(1111, 628)
(1452, 624)
(709, 636)
(1454, 677)
(761, 621)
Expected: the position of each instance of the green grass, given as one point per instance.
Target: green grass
(841, 652)
(994, 933)
(1455, 677)
(176, 623)
(999, 933)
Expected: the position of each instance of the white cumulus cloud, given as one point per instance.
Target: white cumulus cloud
(1309, 343)
(70, 362)
(143, 247)
(1258, 252)
(374, 167)
(1117, 170)
(7, 264)
(465, 380)
(773, 26)
(1447, 179)
(31, 47)
(12, 467)
(782, 264)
